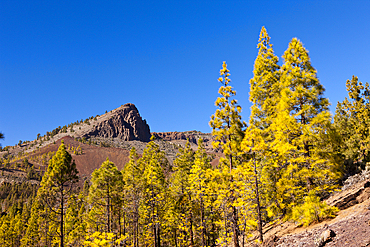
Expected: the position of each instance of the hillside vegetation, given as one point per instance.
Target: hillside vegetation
(279, 166)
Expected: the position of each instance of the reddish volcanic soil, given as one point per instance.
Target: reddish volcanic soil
(92, 156)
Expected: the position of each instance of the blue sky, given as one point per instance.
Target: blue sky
(62, 61)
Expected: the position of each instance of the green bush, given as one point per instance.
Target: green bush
(313, 210)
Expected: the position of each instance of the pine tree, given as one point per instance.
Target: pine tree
(199, 186)
(352, 122)
(76, 226)
(302, 117)
(153, 205)
(264, 94)
(264, 86)
(1, 137)
(252, 174)
(35, 226)
(228, 132)
(105, 198)
(6, 230)
(182, 196)
(133, 186)
(57, 186)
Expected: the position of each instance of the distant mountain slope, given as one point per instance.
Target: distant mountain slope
(112, 135)
(87, 159)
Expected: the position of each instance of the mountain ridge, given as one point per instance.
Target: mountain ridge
(112, 134)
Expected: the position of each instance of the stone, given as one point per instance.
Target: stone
(270, 241)
(325, 237)
(124, 123)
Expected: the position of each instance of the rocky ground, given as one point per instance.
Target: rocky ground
(351, 227)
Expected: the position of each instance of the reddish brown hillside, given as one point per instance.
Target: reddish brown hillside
(92, 156)
(90, 159)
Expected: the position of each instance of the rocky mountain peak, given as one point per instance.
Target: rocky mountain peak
(124, 122)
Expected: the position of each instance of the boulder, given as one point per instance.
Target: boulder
(325, 237)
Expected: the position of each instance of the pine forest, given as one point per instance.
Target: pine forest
(277, 166)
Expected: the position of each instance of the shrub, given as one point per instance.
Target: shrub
(313, 210)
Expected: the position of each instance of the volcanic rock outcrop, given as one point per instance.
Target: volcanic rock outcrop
(125, 123)
(170, 136)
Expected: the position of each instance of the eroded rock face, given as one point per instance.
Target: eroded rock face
(124, 123)
(357, 193)
(170, 136)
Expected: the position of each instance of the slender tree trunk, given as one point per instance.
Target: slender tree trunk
(153, 220)
(124, 223)
(191, 225)
(159, 235)
(155, 235)
(260, 237)
(61, 220)
(137, 230)
(119, 222)
(235, 227)
(234, 211)
(202, 222)
(175, 237)
(108, 210)
(213, 233)
(191, 231)
(134, 233)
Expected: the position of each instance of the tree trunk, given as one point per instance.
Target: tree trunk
(202, 222)
(108, 210)
(119, 222)
(124, 223)
(175, 237)
(235, 228)
(61, 220)
(191, 225)
(159, 235)
(260, 237)
(137, 230)
(213, 234)
(234, 211)
(154, 229)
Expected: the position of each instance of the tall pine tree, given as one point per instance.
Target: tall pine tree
(352, 122)
(105, 197)
(302, 118)
(133, 191)
(264, 94)
(57, 186)
(182, 195)
(199, 185)
(228, 132)
(153, 205)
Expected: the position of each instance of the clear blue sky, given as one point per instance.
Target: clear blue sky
(62, 61)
